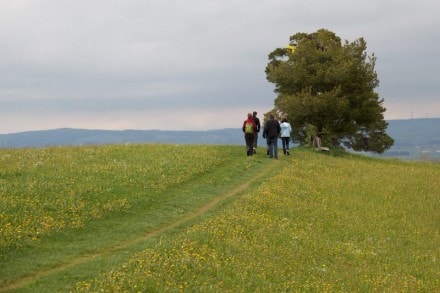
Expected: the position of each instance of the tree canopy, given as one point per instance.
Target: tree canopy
(329, 86)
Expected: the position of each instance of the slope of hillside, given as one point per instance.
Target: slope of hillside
(62, 208)
(156, 218)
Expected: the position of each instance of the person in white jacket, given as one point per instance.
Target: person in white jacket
(286, 129)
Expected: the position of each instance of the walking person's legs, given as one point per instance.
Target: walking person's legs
(283, 141)
(275, 147)
(270, 140)
(255, 142)
(249, 144)
(267, 145)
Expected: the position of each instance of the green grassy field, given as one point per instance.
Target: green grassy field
(152, 218)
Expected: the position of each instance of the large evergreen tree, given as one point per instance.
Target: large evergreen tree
(328, 86)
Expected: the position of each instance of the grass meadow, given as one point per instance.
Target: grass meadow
(154, 218)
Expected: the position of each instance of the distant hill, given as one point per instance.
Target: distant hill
(414, 138)
(415, 132)
(77, 137)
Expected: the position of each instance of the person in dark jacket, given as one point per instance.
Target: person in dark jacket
(249, 129)
(257, 123)
(267, 141)
(272, 130)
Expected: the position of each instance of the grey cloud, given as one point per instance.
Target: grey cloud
(126, 56)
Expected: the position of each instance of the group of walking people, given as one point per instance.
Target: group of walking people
(272, 130)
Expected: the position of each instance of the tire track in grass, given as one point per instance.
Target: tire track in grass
(71, 263)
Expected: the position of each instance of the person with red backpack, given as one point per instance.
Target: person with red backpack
(249, 129)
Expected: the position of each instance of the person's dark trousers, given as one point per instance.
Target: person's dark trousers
(285, 141)
(273, 147)
(249, 138)
(255, 142)
(267, 145)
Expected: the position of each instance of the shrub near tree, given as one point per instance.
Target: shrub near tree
(327, 87)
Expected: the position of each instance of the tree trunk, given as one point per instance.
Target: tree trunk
(316, 140)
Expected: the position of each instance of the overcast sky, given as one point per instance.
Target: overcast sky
(193, 64)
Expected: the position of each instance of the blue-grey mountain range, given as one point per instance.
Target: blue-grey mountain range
(410, 135)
